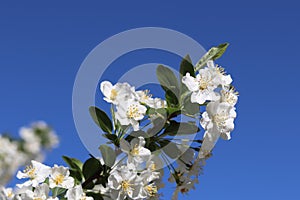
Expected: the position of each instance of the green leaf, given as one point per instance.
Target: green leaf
(76, 174)
(101, 119)
(171, 150)
(73, 162)
(108, 154)
(186, 66)
(213, 54)
(190, 108)
(169, 83)
(172, 99)
(181, 128)
(91, 168)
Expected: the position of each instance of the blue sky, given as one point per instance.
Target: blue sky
(42, 45)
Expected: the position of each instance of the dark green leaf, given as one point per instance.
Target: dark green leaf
(77, 175)
(171, 98)
(91, 168)
(101, 119)
(186, 66)
(108, 154)
(183, 128)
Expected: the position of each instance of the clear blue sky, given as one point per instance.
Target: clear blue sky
(43, 44)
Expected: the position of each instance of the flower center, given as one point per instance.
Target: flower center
(153, 167)
(37, 198)
(135, 151)
(151, 189)
(30, 171)
(126, 186)
(220, 119)
(204, 81)
(133, 111)
(230, 96)
(10, 194)
(113, 94)
(59, 179)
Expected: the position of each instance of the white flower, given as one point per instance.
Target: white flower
(116, 93)
(36, 172)
(60, 177)
(220, 77)
(130, 112)
(136, 151)
(6, 193)
(48, 137)
(219, 117)
(32, 141)
(229, 95)
(218, 120)
(77, 193)
(202, 87)
(145, 98)
(41, 192)
(122, 183)
(10, 159)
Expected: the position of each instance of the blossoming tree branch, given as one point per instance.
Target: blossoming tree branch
(147, 138)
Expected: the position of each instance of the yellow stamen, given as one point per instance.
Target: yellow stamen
(133, 111)
(113, 94)
(30, 171)
(126, 186)
(135, 151)
(151, 189)
(59, 179)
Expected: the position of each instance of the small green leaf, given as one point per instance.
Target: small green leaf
(212, 54)
(182, 128)
(73, 162)
(169, 83)
(108, 154)
(91, 168)
(101, 119)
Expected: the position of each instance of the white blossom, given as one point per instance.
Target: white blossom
(118, 93)
(6, 193)
(229, 95)
(36, 173)
(145, 98)
(77, 193)
(60, 177)
(41, 192)
(218, 120)
(136, 151)
(130, 112)
(205, 83)
(122, 183)
(32, 141)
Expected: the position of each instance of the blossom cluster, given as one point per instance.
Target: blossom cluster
(34, 140)
(148, 136)
(212, 85)
(130, 104)
(44, 183)
(137, 179)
